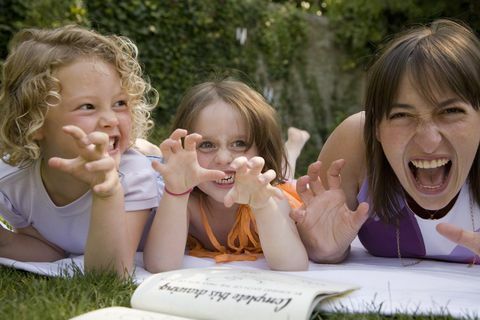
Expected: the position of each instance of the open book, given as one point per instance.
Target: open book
(223, 293)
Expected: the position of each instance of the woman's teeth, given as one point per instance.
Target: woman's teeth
(429, 164)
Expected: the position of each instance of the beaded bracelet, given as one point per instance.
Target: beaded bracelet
(178, 194)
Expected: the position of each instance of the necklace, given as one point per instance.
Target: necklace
(432, 215)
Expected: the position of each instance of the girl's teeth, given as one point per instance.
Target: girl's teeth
(111, 144)
(226, 180)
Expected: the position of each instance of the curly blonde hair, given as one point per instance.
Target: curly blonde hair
(28, 83)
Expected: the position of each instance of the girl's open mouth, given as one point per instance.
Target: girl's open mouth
(430, 176)
(113, 143)
(229, 179)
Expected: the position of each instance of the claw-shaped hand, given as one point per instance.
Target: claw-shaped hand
(93, 165)
(251, 186)
(181, 170)
(325, 223)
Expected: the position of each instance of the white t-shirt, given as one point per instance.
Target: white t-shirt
(24, 200)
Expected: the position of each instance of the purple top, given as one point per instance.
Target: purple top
(380, 238)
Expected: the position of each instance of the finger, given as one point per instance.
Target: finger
(176, 146)
(360, 215)
(166, 148)
(230, 197)
(211, 175)
(255, 165)
(107, 186)
(298, 215)
(239, 165)
(100, 140)
(78, 134)
(65, 165)
(267, 176)
(177, 134)
(333, 174)
(103, 164)
(302, 189)
(159, 167)
(468, 239)
(315, 184)
(191, 141)
(275, 192)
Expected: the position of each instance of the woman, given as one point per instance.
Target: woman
(415, 169)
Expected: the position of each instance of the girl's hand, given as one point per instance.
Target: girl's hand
(181, 170)
(251, 186)
(93, 165)
(325, 223)
(467, 239)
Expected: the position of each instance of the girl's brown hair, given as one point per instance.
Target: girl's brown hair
(260, 118)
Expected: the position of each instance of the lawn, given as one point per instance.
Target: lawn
(25, 295)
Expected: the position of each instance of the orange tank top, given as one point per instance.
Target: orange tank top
(243, 242)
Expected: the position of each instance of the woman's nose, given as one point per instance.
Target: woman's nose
(428, 136)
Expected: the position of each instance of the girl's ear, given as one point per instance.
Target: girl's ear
(38, 135)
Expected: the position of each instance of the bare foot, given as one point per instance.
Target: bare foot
(296, 139)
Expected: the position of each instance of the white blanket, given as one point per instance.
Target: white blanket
(386, 286)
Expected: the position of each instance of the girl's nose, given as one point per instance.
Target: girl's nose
(428, 136)
(223, 156)
(108, 119)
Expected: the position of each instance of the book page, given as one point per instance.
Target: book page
(122, 313)
(224, 293)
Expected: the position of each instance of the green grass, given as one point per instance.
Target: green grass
(25, 295)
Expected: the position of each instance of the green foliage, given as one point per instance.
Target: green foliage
(18, 14)
(361, 25)
(185, 42)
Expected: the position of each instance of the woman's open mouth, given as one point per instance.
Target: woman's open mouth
(430, 176)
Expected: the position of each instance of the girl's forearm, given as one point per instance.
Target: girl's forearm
(165, 245)
(23, 247)
(281, 244)
(108, 246)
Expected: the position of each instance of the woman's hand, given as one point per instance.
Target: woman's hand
(465, 238)
(325, 223)
(181, 171)
(251, 186)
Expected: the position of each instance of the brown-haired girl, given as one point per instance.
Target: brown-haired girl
(222, 186)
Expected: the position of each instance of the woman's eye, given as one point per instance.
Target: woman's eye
(452, 110)
(398, 115)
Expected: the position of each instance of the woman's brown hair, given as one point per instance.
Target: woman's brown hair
(442, 56)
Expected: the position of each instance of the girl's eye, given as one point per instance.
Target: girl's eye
(206, 145)
(86, 106)
(121, 104)
(239, 145)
